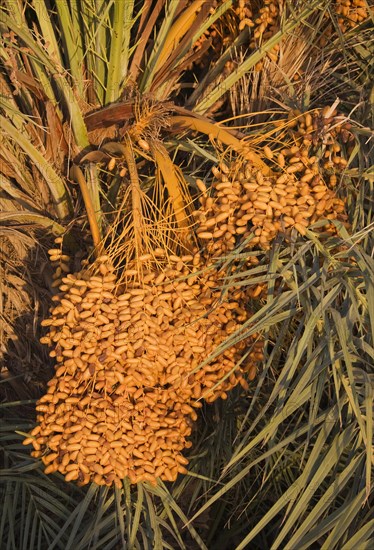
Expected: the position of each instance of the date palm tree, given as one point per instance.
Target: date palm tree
(95, 91)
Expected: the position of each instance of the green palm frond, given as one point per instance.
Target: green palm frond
(321, 402)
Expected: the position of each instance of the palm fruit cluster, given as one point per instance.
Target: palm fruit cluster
(263, 18)
(243, 10)
(127, 383)
(266, 26)
(322, 126)
(247, 203)
(243, 201)
(60, 263)
(350, 13)
(326, 130)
